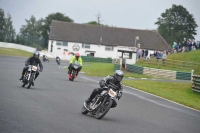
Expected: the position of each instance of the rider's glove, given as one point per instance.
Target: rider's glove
(40, 70)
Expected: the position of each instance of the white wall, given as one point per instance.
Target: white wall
(17, 46)
(99, 51)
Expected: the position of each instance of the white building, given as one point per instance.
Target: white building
(101, 41)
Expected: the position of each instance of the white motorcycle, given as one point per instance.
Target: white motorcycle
(29, 76)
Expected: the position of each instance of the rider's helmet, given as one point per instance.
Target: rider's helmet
(118, 75)
(77, 55)
(36, 54)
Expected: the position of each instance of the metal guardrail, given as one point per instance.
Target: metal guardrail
(196, 83)
(116, 67)
(173, 63)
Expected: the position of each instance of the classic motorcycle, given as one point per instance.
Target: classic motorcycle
(29, 76)
(45, 59)
(102, 102)
(75, 67)
(58, 61)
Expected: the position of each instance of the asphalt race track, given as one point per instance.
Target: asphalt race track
(54, 104)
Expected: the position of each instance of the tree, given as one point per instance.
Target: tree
(47, 23)
(9, 31)
(2, 24)
(93, 22)
(31, 28)
(99, 18)
(176, 23)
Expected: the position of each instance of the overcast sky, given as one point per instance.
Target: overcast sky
(134, 14)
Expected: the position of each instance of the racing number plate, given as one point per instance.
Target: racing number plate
(34, 68)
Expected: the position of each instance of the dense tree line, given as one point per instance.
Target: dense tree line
(175, 24)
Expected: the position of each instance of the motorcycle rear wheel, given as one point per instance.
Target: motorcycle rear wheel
(102, 111)
(23, 84)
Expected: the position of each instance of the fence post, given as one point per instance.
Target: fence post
(192, 73)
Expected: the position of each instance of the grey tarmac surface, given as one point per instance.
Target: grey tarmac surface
(54, 104)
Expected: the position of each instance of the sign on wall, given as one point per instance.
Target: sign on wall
(76, 47)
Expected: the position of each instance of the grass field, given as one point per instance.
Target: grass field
(14, 52)
(104, 69)
(192, 56)
(178, 92)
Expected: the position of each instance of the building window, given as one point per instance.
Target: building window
(85, 45)
(61, 43)
(109, 48)
(65, 43)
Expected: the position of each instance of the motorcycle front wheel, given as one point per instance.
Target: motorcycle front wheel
(84, 110)
(30, 82)
(102, 111)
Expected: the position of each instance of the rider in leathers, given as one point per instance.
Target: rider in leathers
(104, 83)
(34, 60)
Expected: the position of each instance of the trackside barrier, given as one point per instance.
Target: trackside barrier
(159, 73)
(196, 83)
(116, 67)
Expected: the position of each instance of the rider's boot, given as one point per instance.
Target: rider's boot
(94, 93)
(32, 83)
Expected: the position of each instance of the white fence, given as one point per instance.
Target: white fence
(17, 46)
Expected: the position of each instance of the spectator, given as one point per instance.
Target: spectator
(164, 56)
(198, 43)
(155, 53)
(142, 53)
(146, 52)
(183, 49)
(158, 57)
(139, 53)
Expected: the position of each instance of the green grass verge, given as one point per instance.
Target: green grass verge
(104, 69)
(14, 52)
(178, 92)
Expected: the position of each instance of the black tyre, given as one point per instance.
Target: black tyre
(73, 76)
(29, 85)
(84, 110)
(23, 84)
(30, 82)
(102, 111)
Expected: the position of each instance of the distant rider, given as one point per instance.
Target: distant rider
(58, 60)
(34, 60)
(104, 83)
(74, 58)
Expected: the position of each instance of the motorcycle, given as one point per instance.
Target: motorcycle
(101, 103)
(45, 60)
(58, 61)
(75, 67)
(29, 76)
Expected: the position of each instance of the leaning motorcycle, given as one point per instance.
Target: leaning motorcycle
(45, 60)
(75, 68)
(102, 102)
(29, 76)
(58, 61)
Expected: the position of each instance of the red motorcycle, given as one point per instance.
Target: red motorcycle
(75, 68)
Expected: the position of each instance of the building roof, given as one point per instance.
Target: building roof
(104, 35)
